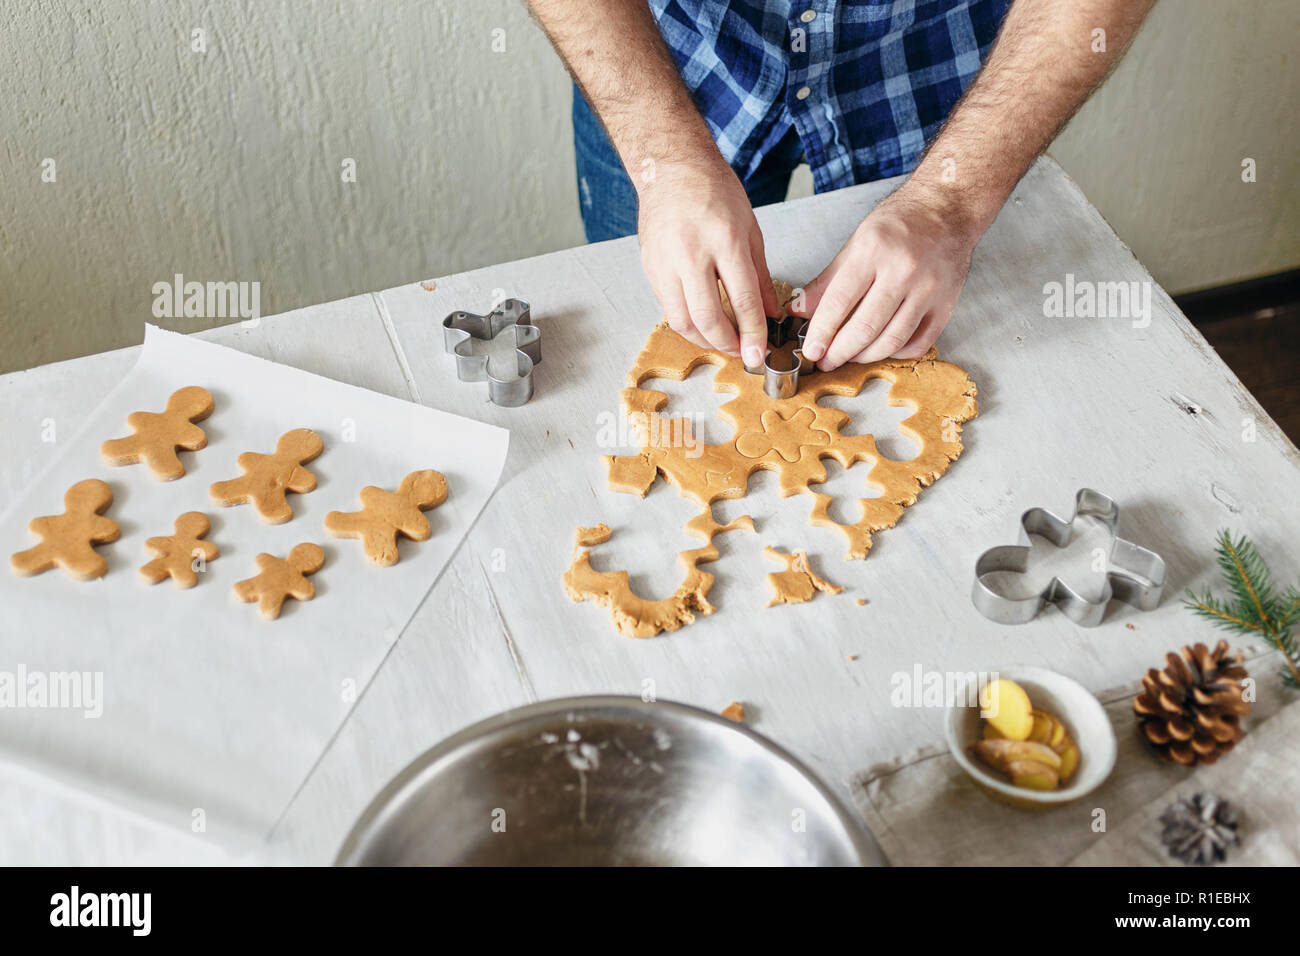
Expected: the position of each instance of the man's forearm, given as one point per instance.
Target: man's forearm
(1046, 62)
(617, 57)
(696, 228)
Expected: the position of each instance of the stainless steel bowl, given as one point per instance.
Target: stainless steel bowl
(607, 781)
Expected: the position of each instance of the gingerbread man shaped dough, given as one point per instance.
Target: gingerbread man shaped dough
(159, 434)
(68, 540)
(175, 554)
(386, 514)
(279, 579)
(267, 478)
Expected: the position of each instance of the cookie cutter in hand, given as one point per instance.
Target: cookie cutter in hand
(512, 317)
(779, 381)
(1134, 574)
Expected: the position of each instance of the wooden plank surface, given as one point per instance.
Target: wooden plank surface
(1148, 415)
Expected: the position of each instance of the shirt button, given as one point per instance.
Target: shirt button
(803, 93)
(808, 16)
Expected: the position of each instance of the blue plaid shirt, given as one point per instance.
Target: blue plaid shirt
(864, 82)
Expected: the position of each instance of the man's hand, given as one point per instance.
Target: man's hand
(696, 226)
(892, 288)
(695, 222)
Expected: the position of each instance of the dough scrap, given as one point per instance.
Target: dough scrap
(175, 554)
(157, 435)
(68, 539)
(267, 478)
(636, 616)
(590, 537)
(279, 579)
(796, 583)
(782, 435)
(385, 515)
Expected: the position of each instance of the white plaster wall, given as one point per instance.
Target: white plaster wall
(1159, 148)
(226, 165)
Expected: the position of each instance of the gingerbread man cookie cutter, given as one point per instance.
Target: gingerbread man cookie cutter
(780, 369)
(513, 317)
(1134, 574)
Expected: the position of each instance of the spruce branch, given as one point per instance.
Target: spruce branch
(1207, 606)
(1255, 607)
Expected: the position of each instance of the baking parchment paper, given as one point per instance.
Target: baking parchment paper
(209, 718)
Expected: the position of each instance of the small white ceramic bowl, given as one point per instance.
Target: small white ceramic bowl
(1068, 700)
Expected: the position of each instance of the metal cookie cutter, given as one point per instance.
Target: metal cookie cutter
(1133, 574)
(778, 380)
(512, 317)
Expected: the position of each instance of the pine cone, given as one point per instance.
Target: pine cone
(1191, 711)
(1199, 829)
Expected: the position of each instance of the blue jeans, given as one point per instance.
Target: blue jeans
(607, 198)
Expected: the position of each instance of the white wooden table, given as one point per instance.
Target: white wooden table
(1149, 415)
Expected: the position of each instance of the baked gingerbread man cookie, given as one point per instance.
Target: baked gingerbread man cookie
(157, 435)
(268, 478)
(278, 579)
(68, 540)
(385, 515)
(175, 554)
